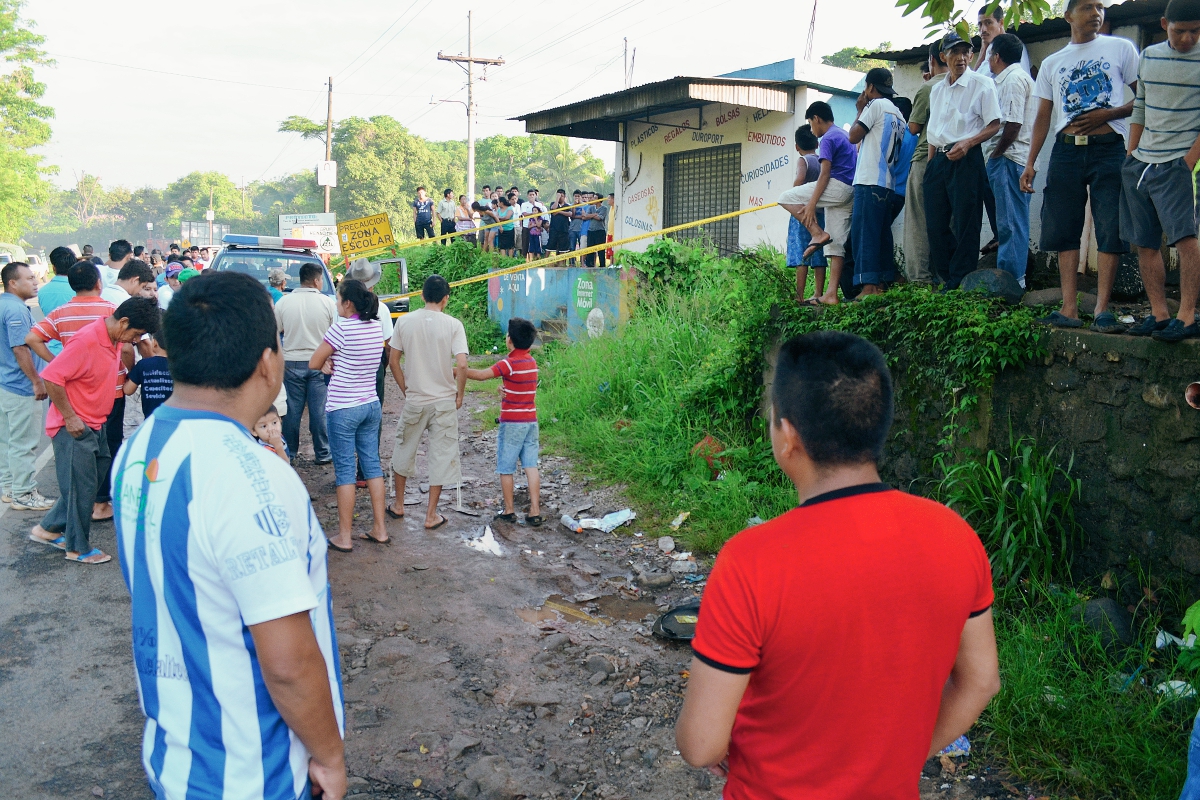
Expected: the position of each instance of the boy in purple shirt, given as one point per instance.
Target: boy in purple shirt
(832, 191)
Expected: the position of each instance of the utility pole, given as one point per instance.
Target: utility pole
(812, 29)
(329, 136)
(468, 63)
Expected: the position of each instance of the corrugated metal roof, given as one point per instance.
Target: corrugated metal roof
(600, 117)
(1131, 12)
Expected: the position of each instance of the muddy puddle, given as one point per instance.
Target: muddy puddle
(607, 609)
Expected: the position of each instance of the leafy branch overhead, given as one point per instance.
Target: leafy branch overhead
(942, 14)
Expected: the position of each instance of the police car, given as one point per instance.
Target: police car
(258, 255)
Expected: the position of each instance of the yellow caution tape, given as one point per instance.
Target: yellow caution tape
(588, 250)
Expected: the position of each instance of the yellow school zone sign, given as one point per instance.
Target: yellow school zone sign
(365, 235)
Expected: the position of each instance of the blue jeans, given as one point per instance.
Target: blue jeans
(1191, 787)
(305, 387)
(871, 236)
(1012, 216)
(516, 439)
(355, 431)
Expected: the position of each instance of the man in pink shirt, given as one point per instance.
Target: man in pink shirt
(80, 384)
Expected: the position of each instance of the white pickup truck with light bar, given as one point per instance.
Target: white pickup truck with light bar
(258, 255)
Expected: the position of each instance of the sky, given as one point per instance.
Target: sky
(146, 92)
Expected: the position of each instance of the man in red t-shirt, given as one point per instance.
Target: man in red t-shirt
(841, 644)
(79, 382)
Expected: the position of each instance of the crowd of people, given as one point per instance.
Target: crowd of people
(968, 143)
(526, 227)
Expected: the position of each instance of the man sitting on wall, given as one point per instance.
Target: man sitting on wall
(832, 191)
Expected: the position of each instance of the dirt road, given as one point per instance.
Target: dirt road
(467, 674)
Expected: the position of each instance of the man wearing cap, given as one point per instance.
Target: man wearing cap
(879, 132)
(170, 284)
(963, 113)
(1085, 82)
(303, 316)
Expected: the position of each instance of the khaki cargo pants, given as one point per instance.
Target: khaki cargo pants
(441, 420)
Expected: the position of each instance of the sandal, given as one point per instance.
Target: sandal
(334, 546)
(535, 521)
(1106, 322)
(370, 538)
(91, 557)
(510, 518)
(60, 542)
(392, 514)
(814, 246)
(811, 302)
(438, 525)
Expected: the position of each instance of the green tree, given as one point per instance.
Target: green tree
(23, 123)
(852, 58)
(557, 166)
(380, 166)
(943, 15)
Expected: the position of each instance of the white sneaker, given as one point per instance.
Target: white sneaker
(33, 501)
(6, 496)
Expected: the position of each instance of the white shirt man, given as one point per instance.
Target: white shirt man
(963, 113)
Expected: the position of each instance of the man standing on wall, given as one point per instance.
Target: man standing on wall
(423, 215)
(991, 25)
(1085, 82)
(832, 191)
(1159, 173)
(597, 229)
(916, 236)
(445, 214)
(880, 130)
(963, 113)
(1008, 152)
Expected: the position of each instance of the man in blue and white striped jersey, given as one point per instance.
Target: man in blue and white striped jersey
(233, 637)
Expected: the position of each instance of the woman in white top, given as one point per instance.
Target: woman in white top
(464, 220)
(352, 407)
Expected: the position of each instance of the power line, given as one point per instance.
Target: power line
(389, 41)
(377, 38)
(218, 80)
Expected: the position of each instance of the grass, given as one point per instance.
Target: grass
(1020, 504)
(687, 366)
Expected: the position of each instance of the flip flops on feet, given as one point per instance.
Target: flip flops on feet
(91, 557)
(335, 546)
(441, 521)
(368, 537)
(393, 514)
(815, 245)
(59, 542)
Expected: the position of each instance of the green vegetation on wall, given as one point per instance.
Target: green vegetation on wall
(1078, 717)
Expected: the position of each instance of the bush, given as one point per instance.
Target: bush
(1020, 504)
(454, 262)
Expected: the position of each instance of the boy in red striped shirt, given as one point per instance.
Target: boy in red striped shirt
(518, 435)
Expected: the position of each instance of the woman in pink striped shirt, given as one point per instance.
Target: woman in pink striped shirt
(355, 343)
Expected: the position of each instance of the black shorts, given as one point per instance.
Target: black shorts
(504, 240)
(1076, 170)
(424, 230)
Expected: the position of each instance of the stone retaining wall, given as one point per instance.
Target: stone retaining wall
(1116, 402)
